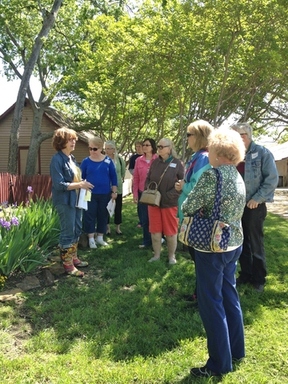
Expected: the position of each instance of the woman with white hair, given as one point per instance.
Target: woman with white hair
(218, 300)
(163, 220)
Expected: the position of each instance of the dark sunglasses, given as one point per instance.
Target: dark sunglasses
(190, 134)
(162, 146)
(93, 149)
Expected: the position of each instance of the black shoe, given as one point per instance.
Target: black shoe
(190, 298)
(236, 360)
(241, 281)
(258, 287)
(202, 372)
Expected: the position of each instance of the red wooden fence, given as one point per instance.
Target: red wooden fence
(13, 188)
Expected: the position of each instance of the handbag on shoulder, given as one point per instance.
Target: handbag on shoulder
(153, 196)
(207, 234)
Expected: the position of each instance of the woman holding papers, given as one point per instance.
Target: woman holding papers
(99, 169)
(66, 183)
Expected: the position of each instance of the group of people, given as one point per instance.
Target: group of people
(101, 175)
(249, 178)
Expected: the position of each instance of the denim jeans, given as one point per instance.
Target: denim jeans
(144, 220)
(219, 308)
(97, 214)
(70, 224)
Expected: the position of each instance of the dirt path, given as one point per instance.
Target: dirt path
(280, 205)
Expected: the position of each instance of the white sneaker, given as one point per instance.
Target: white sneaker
(172, 261)
(92, 243)
(101, 242)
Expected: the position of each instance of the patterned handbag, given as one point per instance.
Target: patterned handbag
(207, 234)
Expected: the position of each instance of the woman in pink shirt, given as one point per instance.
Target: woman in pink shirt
(141, 169)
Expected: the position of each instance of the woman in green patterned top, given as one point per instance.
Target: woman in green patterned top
(218, 299)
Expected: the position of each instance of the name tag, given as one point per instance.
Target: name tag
(254, 155)
(172, 165)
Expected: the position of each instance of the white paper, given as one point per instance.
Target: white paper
(81, 201)
(88, 195)
(111, 207)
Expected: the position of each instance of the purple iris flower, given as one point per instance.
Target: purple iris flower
(14, 221)
(5, 224)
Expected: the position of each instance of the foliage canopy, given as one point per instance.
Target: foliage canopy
(132, 70)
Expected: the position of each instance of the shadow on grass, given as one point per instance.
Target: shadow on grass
(125, 307)
(192, 380)
(275, 294)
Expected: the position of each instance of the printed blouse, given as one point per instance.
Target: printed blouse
(232, 199)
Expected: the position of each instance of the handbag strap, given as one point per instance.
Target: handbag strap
(161, 177)
(216, 209)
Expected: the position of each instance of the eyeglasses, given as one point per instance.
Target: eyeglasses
(162, 146)
(93, 149)
(146, 145)
(190, 134)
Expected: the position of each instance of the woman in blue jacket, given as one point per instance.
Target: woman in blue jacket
(66, 183)
(197, 137)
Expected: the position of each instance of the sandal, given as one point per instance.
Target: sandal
(153, 259)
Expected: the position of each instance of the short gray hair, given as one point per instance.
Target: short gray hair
(240, 127)
(170, 143)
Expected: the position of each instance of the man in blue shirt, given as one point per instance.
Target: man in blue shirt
(260, 175)
(139, 152)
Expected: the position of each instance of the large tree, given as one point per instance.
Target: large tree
(151, 71)
(48, 20)
(164, 67)
(34, 42)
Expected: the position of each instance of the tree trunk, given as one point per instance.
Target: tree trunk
(35, 141)
(48, 24)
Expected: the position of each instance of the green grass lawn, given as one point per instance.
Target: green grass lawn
(126, 320)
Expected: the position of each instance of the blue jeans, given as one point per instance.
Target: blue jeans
(219, 308)
(252, 259)
(144, 220)
(96, 214)
(70, 224)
